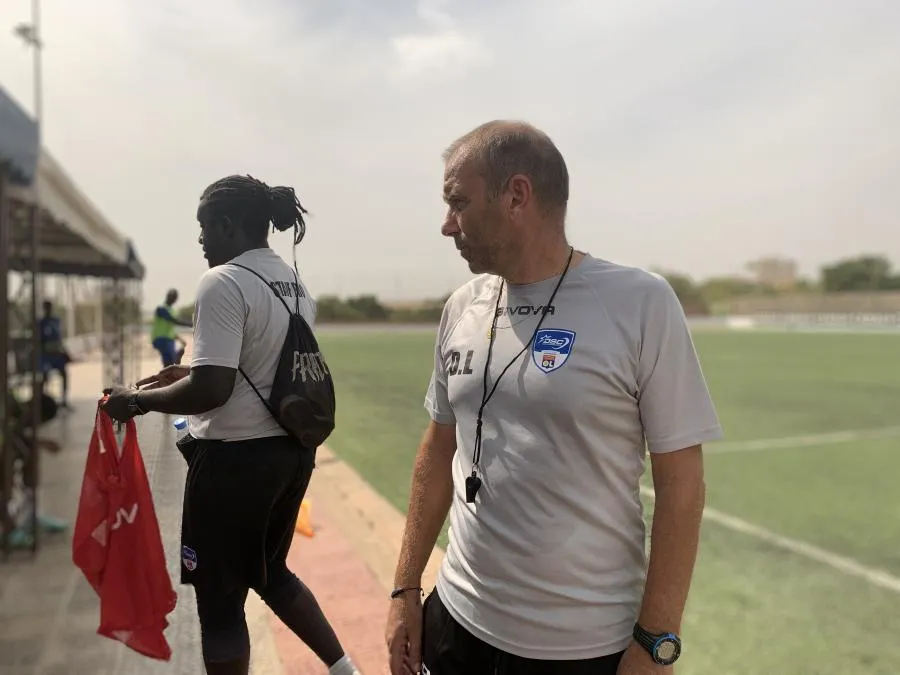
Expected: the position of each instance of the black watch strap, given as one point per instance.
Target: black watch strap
(664, 648)
(135, 404)
(643, 637)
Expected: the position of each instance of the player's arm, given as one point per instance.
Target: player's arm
(431, 494)
(205, 388)
(678, 417)
(164, 314)
(432, 479)
(429, 503)
(674, 537)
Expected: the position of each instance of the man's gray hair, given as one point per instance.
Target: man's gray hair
(505, 148)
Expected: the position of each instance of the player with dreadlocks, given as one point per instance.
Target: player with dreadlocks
(246, 477)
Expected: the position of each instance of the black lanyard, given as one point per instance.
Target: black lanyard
(473, 482)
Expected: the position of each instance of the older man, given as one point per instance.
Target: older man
(554, 372)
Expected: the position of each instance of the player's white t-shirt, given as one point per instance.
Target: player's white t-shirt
(549, 562)
(238, 320)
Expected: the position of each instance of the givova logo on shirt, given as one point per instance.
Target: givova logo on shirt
(552, 347)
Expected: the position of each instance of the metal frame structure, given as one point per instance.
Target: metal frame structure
(62, 234)
(121, 346)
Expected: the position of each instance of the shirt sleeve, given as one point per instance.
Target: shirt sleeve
(437, 400)
(220, 314)
(676, 409)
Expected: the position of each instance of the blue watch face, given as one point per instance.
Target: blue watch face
(666, 650)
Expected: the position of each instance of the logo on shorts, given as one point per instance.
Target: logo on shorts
(552, 348)
(425, 670)
(189, 558)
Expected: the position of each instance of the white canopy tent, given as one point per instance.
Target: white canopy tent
(47, 227)
(75, 238)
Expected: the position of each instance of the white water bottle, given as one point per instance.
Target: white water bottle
(181, 428)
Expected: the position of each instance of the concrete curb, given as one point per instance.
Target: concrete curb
(372, 524)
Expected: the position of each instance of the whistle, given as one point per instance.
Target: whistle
(473, 484)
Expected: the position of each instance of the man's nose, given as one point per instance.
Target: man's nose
(450, 228)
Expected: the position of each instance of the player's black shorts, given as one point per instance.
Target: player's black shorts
(449, 649)
(241, 502)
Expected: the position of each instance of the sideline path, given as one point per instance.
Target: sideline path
(49, 614)
(349, 565)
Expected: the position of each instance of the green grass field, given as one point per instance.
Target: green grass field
(756, 608)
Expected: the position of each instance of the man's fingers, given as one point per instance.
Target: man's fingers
(396, 664)
(147, 380)
(414, 655)
(396, 659)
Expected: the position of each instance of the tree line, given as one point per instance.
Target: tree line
(366, 308)
(773, 276)
(765, 277)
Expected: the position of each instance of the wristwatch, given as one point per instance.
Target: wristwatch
(664, 648)
(134, 406)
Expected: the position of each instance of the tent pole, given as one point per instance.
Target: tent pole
(6, 444)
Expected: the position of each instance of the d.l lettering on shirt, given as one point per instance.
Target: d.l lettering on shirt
(309, 365)
(459, 363)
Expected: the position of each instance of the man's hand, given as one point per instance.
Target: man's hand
(116, 406)
(165, 377)
(637, 661)
(403, 634)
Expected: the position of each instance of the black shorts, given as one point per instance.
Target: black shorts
(241, 502)
(449, 649)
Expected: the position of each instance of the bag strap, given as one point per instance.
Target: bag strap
(269, 286)
(106, 433)
(241, 370)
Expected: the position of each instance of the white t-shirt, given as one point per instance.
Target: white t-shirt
(549, 561)
(240, 321)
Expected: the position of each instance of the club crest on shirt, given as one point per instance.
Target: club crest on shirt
(552, 347)
(189, 558)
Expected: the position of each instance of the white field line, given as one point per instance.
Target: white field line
(849, 566)
(807, 440)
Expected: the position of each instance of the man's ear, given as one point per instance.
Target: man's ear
(520, 193)
(227, 226)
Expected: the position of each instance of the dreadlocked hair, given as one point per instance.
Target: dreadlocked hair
(253, 205)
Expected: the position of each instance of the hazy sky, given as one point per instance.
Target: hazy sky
(698, 134)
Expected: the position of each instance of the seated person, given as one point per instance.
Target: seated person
(20, 415)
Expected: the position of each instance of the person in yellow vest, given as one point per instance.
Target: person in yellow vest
(162, 331)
